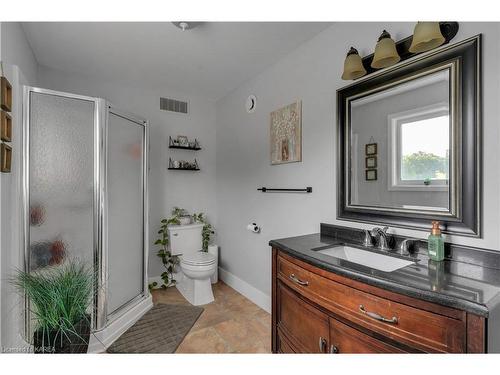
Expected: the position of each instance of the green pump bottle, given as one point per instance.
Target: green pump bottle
(435, 243)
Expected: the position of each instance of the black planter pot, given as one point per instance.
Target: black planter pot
(49, 342)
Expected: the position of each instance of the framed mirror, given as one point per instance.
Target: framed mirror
(409, 143)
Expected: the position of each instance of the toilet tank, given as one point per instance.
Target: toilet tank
(184, 239)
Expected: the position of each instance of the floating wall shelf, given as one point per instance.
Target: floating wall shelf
(185, 148)
(194, 147)
(183, 169)
(191, 166)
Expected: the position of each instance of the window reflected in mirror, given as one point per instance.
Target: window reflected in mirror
(424, 160)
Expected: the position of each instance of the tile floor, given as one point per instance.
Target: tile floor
(230, 324)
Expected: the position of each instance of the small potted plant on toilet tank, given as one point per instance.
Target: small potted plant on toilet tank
(182, 214)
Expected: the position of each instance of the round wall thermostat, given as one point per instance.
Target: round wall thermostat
(251, 103)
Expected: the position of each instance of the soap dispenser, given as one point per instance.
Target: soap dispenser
(435, 243)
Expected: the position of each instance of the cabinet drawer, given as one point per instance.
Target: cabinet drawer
(305, 326)
(409, 325)
(347, 340)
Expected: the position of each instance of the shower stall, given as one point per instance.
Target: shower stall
(85, 196)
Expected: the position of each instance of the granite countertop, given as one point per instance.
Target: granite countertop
(463, 283)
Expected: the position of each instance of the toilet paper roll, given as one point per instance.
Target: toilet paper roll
(214, 250)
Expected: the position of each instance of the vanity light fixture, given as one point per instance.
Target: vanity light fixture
(353, 65)
(426, 36)
(386, 53)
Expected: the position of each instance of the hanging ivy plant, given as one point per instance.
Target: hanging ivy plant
(207, 231)
(168, 260)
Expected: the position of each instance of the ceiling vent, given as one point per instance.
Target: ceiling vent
(173, 105)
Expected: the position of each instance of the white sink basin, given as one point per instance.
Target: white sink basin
(370, 259)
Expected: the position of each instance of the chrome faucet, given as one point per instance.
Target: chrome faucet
(404, 248)
(381, 234)
(368, 241)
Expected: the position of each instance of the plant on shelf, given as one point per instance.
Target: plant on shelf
(182, 214)
(178, 212)
(60, 298)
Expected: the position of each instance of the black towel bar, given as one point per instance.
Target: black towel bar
(308, 189)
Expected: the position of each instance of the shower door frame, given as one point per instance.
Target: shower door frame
(103, 317)
(100, 318)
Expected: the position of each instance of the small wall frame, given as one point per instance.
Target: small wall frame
(5, 158)
(371, 162)
(371, 175)
(5, 127)
(5, 94)
(371, 149)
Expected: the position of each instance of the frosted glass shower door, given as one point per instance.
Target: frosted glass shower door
(125, 210)
(60, 199)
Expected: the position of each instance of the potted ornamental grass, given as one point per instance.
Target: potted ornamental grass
(60, 298)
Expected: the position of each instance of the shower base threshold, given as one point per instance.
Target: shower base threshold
(101, 340)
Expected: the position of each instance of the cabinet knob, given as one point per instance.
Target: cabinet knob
(334, 349)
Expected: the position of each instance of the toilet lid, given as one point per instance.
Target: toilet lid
(198, 258)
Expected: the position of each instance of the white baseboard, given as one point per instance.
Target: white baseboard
(101, 340)
(253, 294)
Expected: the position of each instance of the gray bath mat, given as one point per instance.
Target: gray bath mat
(160, 330)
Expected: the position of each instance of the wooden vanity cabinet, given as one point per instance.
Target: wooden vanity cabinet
(316, 311)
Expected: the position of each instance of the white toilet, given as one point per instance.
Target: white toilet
(196, 266)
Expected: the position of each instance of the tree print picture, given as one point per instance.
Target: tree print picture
(286, 134)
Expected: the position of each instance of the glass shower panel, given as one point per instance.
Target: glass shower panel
(61, 179)
(125, 211)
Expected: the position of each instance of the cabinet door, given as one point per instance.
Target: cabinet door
(284, 347)
(345, 339)
(304, 326)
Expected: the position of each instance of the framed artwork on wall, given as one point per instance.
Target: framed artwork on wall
(371, 149)
(371, 162)
(371, 175)
(6, 127)
(286, 134)
(5, 158)
(5, 94)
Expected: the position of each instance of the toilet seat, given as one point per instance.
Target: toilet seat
(199, 258)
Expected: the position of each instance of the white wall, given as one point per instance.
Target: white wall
(17, 57)
(194, 191)
(17, 51)
(312, 73)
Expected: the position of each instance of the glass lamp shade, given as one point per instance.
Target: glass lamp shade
(427, 35)
(353, 65)
(385, 52)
